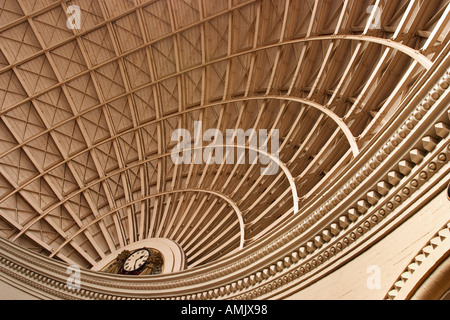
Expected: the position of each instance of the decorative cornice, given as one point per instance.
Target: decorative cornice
(437, 247)
(347, 234)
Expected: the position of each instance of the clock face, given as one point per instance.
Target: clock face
(136, 260)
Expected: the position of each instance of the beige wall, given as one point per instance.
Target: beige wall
(392, 254)
(8, 292)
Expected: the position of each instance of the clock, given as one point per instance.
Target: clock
(136, 260)
(143, 261)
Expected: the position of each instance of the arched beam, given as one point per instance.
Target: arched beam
(414, 54)
(274, 159)
(129, 167)
(346, 130)
(334, 117)
(218, 194)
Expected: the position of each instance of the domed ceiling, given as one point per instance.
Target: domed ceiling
(90, 100)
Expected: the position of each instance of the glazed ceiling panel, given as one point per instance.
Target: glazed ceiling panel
(87, 114)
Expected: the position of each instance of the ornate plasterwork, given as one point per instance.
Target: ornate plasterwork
(437, 247)
(413, 158)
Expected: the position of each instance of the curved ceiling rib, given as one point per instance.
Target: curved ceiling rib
(228, 200)
(344, 128)
(273, 158)
(414, 54)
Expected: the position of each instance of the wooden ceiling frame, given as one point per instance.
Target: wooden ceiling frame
(336, 104)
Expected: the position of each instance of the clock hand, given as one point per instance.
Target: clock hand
(137, 260)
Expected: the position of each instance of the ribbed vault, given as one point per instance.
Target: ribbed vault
(86, 115)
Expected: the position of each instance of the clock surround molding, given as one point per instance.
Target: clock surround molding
(172, 254)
